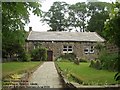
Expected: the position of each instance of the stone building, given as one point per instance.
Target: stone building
(82, 44)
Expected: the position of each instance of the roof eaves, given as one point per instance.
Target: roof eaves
(101, 38)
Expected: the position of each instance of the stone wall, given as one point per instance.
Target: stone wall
(57, 48)
(111, 48)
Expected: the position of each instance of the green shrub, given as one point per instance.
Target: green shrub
(109, 61)
(43, 54)
(92, 64)
(24, 56)
(95, 64)
(76, 62)
(98, 64)
(39, 54)
(83, 60)
(68, 56)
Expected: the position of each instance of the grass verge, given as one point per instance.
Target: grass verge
(18, 67)
(86, 74)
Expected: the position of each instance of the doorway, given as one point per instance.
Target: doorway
(50, 55)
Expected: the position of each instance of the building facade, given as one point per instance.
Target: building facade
(82, 44)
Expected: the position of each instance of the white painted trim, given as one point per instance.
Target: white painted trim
(67, 49)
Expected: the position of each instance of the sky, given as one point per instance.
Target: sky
(35, 22)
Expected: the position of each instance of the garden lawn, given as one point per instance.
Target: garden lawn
(18, 67)
(87, 74)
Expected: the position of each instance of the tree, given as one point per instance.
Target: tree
(77, 16)
(80, 16)
(112, 25)
(14, 17)
(14, 43)
(15, 14)
(55, 17)
(112, 29)
(98, 13)
(62, 16)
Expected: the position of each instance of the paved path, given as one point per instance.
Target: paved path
(46, 76)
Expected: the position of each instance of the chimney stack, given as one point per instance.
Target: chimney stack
(30, 29)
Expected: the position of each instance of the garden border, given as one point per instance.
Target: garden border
(84, 87)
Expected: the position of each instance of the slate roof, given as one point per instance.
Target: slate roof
(64, 36)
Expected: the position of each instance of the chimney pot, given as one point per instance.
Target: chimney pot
(30, 29)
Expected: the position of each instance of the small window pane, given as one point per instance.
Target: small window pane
(92, 47)
(86, 50)
(91, 51)
(65, 47)
(70, 47)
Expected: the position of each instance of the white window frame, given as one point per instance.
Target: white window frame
(67, 49)
(86, 52)
(92, 52)
(70, 49)
(91, 48)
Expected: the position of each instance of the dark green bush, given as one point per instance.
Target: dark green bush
(83, 60)
(106, 61)
(76, 61)
(24, 56)
(95, 64)
(39, 54)
(92, 64)
(109, 61)
(98, 64)
(67, 56)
